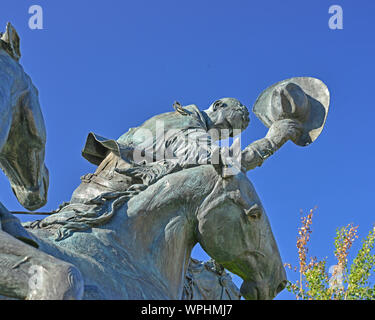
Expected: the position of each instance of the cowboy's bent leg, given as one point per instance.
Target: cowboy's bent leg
(28, 273)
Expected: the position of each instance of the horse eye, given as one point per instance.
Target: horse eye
(254, 213)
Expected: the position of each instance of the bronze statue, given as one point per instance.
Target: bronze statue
(161, 188)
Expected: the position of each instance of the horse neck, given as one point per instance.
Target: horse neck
(159, 226)
(161, 243)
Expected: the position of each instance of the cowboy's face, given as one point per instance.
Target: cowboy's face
(229, 116)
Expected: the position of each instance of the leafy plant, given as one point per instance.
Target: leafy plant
(346, 282)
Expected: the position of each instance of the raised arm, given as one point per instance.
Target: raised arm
(280, 132)
(199, 149)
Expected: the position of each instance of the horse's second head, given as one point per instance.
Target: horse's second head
(234, 230)
(22, 129)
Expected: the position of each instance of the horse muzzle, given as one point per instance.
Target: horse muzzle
(261, 290)
(33, 198)
(265, 289)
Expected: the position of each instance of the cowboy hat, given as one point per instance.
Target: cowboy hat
(304, 99)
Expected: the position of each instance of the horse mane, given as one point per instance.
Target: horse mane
(72, 217)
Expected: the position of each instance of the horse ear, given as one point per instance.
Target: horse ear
(13, 40)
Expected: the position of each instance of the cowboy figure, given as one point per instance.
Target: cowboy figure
(187, 139)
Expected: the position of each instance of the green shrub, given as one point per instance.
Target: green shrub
(347, 282)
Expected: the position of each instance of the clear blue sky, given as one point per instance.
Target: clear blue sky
(105, 66)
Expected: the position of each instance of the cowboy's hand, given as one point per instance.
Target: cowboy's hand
(283, 130)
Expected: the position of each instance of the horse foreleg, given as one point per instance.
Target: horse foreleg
(28, 273)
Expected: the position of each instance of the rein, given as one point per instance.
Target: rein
(32, 213)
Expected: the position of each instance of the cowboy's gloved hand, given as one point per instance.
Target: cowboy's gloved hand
(283, 130)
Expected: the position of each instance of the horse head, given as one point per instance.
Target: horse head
(22, 128)
(234, 230)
